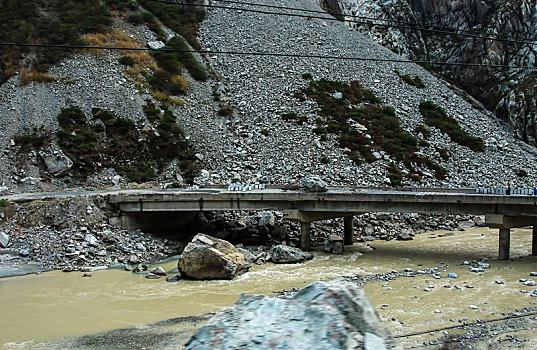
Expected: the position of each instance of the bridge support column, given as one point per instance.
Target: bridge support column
(505, 238)
(305, 230)
(347, 229)
(534, 241)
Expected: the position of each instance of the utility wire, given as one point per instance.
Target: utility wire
(270, 54)
(436, 31)
(414, 25)
(475, 323)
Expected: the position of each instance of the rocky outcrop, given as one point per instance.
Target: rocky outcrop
(206, 257)
(516, 19)
(332, 315)
(281, 254)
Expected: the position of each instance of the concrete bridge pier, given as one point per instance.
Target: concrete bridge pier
(534, 241)
(305, 232)
(347, 229)
(505, 242)
(505, 224)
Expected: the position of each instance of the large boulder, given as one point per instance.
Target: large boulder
(331, 315)
(56, 161)
(207, 258)
(314, 184)
(282, 254)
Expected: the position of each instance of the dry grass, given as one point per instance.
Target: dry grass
(179, 79)
(26, 77)
(144, 61)
(165, 99)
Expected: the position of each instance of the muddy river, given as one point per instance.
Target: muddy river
(38, 309)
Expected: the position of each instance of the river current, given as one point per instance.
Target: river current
(37, 309)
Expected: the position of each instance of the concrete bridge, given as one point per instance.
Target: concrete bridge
(139, 208)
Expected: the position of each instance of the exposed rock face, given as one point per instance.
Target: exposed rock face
(282, 254)
(509, 18)
(207, 257)
(332, 315)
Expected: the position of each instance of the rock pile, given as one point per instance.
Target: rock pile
(86, 248)
(332, 315)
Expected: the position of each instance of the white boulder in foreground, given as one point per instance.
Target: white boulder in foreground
(332, 315)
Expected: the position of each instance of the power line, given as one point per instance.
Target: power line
(415, 25)
(475, 323)
(270, 54)
(423, 29)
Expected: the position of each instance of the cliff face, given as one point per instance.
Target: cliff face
(493, 87)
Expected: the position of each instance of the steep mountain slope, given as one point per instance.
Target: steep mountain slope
(515, 19)
(259, 118)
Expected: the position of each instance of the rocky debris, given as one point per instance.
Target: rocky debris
(56, 162)
(331, 315)
(86, 248)
(314, 184)
(59, 213)
(281, 254)
(206, 257)
(4, 239)
(334, 245)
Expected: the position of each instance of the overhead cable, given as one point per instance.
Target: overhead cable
(409, 27)
(270, 54)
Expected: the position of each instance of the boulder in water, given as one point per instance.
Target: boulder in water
(334, 245)
(282, 254)
(207, 257)
(331, 315)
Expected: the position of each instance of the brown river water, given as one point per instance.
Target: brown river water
(56, 305)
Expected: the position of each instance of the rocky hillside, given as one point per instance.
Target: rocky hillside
(503, 91)
(105, 118)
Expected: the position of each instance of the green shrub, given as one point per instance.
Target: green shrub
(361, 106)
(264, 132)
(181, 19)
(150, 111)
(416, 81)
(32, 140)
(307, 76)
(225, 111)
(522, 173)
(324, 160)
(437, 117)
(3, 203)
(127, 60)
(117, 145)
(423, 130)
(170, 61)
(395, 175)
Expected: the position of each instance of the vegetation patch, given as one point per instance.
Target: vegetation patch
(151, 21)
(33, 140)
(436, 116)
(522, 173)
(184, 20)
(111, 141)
(3, 203)
(364, 126)
(294, 117)
(416, 81)
(51, 22)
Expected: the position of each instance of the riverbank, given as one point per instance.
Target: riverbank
(64, 305)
